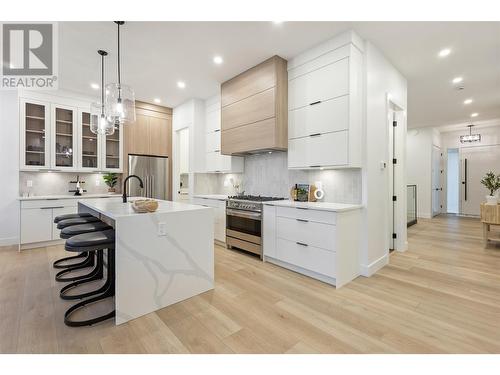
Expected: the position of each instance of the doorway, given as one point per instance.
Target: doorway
(437, 188)
(476, 161)
(182, 177)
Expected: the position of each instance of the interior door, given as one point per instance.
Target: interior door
(476, 161)
(436, 180)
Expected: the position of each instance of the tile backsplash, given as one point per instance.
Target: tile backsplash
(268, 174)
(45, 183)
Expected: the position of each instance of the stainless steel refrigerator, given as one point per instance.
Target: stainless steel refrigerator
(153, 171)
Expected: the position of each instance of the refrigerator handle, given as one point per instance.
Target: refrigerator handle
(152, 186)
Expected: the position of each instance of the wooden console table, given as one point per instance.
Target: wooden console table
(490, 215)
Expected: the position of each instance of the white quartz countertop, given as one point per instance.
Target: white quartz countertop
(323, 206)
(67, 196)
(219, 197)
(114, 208)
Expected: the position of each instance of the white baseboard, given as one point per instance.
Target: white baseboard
(424, 216)
(370, 269)
(9, 241)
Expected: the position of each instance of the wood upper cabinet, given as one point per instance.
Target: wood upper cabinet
(150, 134)
(254, 109)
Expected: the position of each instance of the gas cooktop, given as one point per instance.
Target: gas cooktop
(255, 198)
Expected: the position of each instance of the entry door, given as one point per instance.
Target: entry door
(476, 161)
(436, 180)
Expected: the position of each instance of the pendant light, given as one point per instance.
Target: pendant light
(470, 138)
(120, 98)
(99, 121)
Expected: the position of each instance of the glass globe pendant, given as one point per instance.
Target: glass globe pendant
(99, 122)
(120, 98)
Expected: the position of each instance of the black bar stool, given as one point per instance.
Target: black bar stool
(89, 260)
(60, 218)
(97, 272)
(87, 242)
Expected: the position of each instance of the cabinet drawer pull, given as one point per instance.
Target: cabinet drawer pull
(315, 166)
(302, 220)
(216, 130)
(301, 208)
(216, 150)
(48, 208)
(314, 103)
(302, 244)
(315, 135)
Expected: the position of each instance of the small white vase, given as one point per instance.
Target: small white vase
(491, 199)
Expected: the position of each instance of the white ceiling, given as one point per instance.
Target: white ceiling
(155, 55)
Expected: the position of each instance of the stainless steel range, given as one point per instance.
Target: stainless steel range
(244, 222)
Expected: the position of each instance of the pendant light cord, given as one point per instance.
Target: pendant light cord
(119, 75)
(102, 84)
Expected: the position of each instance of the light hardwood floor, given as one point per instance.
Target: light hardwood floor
(441, 296)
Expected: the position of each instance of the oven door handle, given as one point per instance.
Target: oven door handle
(244, 214)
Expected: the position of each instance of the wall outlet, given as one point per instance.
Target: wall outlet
(29, 183)
(98, 181)
(162, 229)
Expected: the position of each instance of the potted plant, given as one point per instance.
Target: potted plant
(492, 183)
(111, 179)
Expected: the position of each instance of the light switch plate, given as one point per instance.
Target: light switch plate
(162, 229)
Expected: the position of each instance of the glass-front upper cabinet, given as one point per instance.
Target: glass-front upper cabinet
(64, 144)
(35, 120)
(112, 150)
(89, 147)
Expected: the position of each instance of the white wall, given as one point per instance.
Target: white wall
(9, 166)
(381, 80)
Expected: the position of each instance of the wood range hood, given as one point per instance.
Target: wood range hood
(254, 110)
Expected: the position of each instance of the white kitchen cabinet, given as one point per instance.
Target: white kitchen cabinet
(325, 88)
(215, 161)
(219, 207)
(320, 150)
(63, 137)
(34, 117)
(90, 144)
(318, 243)
(36, 225)
(55, 135)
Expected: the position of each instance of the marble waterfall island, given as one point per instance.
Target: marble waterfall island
(162, 257)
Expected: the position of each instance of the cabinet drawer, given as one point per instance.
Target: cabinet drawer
(326, 217)
(36, 225)
(325, 117)
(255, 108)
(250, 82)
(47, 203)
(307, 232)
(308, 257)
(324, 150)
(213, 121)
(212, 141)
(325, 83)
(252, 137)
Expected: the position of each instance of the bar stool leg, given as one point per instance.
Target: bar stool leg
(57, 263)
(89, 262)
(109, 292)
(96, 274)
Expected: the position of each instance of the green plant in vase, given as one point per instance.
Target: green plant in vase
(492, 183)
(110, 179)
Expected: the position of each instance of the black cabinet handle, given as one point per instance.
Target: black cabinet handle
(302, 244)
(49, 208)
(216, 130)
(314, 103)
(315, 135)
(303, 220)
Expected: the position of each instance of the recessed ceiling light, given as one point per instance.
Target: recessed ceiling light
(444, 52)
(278, 22)
(181, 84)
(157, 100)
(457, 80)
(474, 114)
(467, 101)
(218, 60)
(95, 86)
